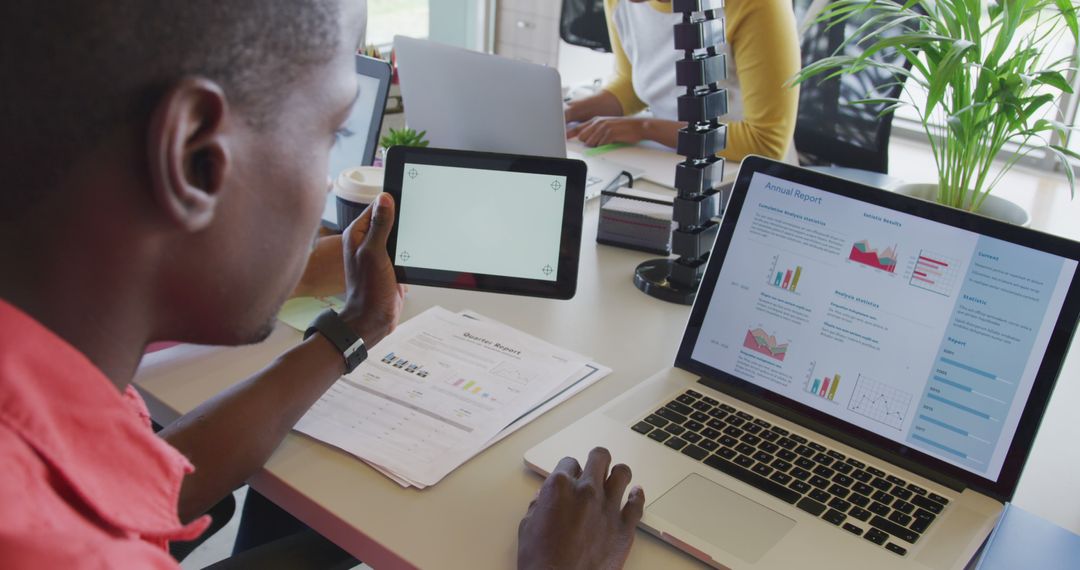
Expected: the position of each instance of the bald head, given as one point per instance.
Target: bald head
(74, 70)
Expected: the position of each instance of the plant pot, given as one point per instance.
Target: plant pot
(994, 207)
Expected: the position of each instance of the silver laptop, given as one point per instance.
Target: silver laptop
(358, 139)
(858, 385)
(469, 100)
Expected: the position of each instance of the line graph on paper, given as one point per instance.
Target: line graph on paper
(880, 402)
(517, 377)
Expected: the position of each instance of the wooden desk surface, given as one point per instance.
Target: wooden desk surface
(469, 520)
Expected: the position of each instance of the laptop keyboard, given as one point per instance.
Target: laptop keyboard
(861, 499)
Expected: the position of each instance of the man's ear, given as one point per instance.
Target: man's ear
(189, 156)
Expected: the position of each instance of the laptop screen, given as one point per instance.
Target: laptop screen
(920, 332)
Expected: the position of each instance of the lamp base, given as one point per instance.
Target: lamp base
(652, 278)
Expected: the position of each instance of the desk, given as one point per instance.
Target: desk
(469, 520)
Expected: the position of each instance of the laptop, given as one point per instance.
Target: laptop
(359, 137)
(468, 100)
(858, 385)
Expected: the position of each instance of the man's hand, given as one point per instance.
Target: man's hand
(373, 298)
(577, 519)
(607, 130)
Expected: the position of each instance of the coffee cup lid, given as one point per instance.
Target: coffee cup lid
(360, 184)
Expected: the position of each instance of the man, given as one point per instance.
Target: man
(163, 172)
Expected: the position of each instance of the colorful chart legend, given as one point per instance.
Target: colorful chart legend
(762, 342)
(935, 273)
(862, 253)
(784, 278)
(822, 386)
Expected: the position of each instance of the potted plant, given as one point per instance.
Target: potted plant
(403, 137)
(990, 76)
(400, 137)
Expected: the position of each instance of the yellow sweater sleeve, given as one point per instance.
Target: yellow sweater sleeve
(620, 84)
(765, 46)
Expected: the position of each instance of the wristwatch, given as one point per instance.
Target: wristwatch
(333, 327)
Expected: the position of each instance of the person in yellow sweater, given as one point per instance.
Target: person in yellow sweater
(763, 54)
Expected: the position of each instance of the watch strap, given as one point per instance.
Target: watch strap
(334, 329)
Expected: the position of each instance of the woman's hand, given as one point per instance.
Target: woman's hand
(600, 131)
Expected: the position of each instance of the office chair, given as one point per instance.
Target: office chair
(582, 23)
(829, 130)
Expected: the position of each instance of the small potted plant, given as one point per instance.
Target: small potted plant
(990, 74)
(400, 137)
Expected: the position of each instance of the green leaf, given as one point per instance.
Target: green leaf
(1068, 12)
(942, 78)
(1035, 104)
(1053, 79)
(1063, 155)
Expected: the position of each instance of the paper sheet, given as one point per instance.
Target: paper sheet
(584, 378)
(299, 312)
(436, 392)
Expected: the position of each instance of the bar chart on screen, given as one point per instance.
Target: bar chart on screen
(824, 386)
(784, 276)
(935, 273)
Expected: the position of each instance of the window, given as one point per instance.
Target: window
(388, 18)
(1068, 105)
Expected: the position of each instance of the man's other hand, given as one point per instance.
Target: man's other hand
(577, 520)
(373, 299)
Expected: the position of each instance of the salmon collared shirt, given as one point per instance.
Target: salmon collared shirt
(84, 481)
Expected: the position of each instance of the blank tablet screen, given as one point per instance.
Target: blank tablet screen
(490, 222)
(504, 223)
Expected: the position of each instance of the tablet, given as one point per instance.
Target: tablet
(486, 222)
(359, 136)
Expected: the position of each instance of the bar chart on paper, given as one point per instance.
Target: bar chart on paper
(470, 387)
(783, 276)
(824, 387)
(405, 365)
(880, 402)
(935, 273)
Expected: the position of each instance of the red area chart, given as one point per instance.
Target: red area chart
(762, 342)
(863, 253)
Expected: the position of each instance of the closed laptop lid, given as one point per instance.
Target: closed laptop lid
(925, 335)
(468, 100)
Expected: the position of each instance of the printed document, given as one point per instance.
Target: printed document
(436, 392)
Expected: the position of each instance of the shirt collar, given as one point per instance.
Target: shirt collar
(97, 439)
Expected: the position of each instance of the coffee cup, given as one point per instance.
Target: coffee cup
(356, 188)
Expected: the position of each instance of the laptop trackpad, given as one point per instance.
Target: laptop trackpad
(721, 517)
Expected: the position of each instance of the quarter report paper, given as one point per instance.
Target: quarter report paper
(436, 392)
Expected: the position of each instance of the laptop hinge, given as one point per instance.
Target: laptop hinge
(836, 433)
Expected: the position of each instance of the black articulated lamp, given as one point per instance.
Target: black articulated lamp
(700, 37)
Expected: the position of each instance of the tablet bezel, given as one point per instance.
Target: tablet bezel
(564, 287)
